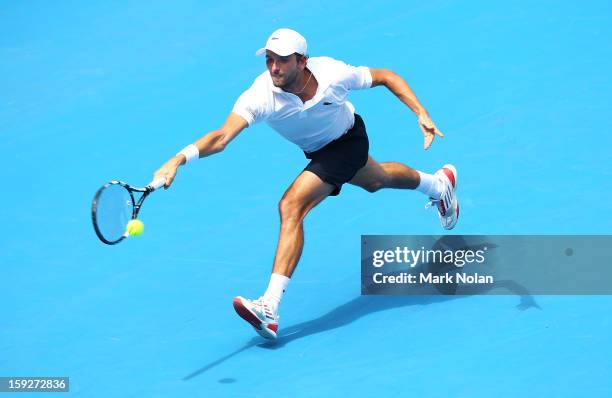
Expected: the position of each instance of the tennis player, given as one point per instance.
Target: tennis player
(305, 100)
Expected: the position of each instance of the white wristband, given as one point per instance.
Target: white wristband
(190, 152)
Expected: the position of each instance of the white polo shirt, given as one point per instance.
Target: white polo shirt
(318, 121)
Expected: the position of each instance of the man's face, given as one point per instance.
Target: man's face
(284, 70)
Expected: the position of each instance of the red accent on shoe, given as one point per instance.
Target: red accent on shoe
(442, 208)
(450, 175)
(245, 314)
(273, 327)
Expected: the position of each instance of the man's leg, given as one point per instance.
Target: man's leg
(374, 176)
(305, 192)
(438, 187)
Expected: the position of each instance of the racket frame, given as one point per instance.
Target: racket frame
(135, 206)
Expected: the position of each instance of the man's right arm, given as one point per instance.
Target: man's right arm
(212, 142)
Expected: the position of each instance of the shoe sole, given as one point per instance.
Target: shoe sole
(246, 314)
(454, 184)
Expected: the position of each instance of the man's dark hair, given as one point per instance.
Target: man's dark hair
(299, 56)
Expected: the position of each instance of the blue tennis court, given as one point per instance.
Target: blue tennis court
(98, 90)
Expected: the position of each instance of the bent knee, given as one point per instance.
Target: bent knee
(290, 209)
(373, 186)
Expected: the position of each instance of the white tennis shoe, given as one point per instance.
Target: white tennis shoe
(260, 314)
(448, 205)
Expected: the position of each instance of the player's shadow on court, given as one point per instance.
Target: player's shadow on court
(365, 305)
(428, 294)
(339, 317)
(362, 306)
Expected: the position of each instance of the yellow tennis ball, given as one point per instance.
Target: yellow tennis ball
(135, 227)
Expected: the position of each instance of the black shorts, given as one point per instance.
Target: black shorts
(338, 162)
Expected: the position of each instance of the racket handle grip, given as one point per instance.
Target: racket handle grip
(157, 183)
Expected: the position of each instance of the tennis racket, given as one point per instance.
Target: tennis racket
(114, 206)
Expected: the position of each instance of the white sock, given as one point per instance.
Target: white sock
(276, 288)
(430, 185)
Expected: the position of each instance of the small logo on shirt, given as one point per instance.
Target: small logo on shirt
(327, 103)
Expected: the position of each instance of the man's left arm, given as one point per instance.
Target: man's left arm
(402, 90)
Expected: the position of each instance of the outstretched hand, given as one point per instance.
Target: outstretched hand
(429, 130)
(168, 171)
